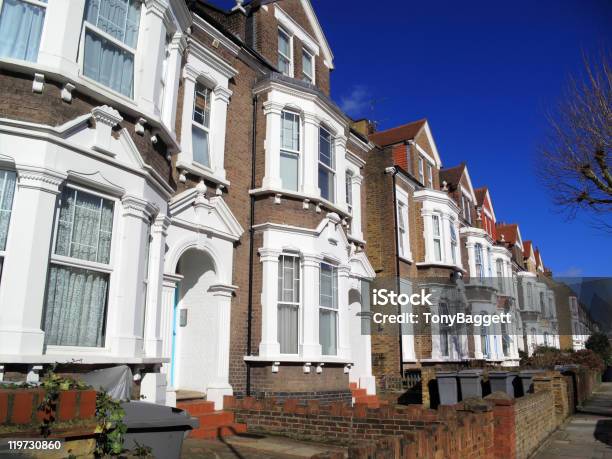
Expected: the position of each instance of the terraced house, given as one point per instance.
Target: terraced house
(179, 193)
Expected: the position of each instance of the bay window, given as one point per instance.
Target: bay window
(7, 193)
(21, 24)
(79, 272)
(110, 39)
(200, 126)
(437, 237)
(479, 261)
(499, 267)
(285, 65)
(328, 309)
(453, 236)
(290, 150)
(326, 165)
(288, 303)
(307, 66)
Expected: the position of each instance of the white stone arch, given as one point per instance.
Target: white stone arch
(193, 241)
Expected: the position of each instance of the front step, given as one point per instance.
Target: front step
(213, 424)
(361, 397)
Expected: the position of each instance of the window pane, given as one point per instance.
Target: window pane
(21, 26)
(348, 182)
(436, 225)
(437, 249)
(75, 307)
(325, 148)
(307, 66)
(327, 331)
(7, 192)
(284, 65)
(326, 183)
(283, 44)
(288, 328)
(108, 64)
(118, 18)
(86, 227)
(199, 139)
(328, 286)
(201, 105)
(289, 171)
(290, 131)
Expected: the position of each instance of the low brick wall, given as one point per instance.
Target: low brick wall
(535, 420)
(451, 432)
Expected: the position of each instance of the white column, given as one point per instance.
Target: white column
(428, 236)
(221, 98)
(151, 49)
(356, 230)
(310, 155)
(126, 314)
(61, 35)
(269, 345)
(272, 111)
(340, 166)
(447, 256)
(170, 283)
(310, 346)
(173, 76)
(471, 260)
(189, 81)
(344, 349)
(220, 386)
(153, 319)
(24, 275)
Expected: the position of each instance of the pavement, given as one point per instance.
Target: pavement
(585, 435)
(248, 446)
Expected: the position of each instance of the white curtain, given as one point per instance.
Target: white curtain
(288, 303)
(200, 146)
(21, 26)
(7, 192)
(74, 313)
(108, 64)
(327, 331)
(288, 328)
(328, 299)
(289, 170)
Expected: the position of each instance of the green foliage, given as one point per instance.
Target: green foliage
(111, 428)
(600, 344)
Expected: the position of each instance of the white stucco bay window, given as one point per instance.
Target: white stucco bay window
(7, 192)
(305, 148)
(21, 26)
(206, 98)
(439, 215)
(306, 278)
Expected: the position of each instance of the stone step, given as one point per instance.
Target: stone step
(196, 407)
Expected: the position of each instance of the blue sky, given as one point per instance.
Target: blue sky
(484, 74)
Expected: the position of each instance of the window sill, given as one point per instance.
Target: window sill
(296, 194)
(201, 171)
(440, 264)
(297, 359)
(82, 264)
(406, 259)
(58, 357)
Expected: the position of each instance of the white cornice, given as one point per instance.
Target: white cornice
(318, 30)
(293, 28)
(208, 58)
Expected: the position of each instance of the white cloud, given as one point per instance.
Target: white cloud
(572, 271)
(356, 102)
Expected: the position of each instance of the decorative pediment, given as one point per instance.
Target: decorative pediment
(192, 209)
(360, 266)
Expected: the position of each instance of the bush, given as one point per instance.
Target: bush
(600, 344)
(548, 357)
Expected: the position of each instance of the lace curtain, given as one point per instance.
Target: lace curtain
(21, 26)
(328, 316)
(288, 303)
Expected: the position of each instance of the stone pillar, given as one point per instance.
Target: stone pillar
(272, 111)
(24, 275)
(150, 56)
(221, 98)
(220, 386)
(310, 156)
(126, 313)
(356, 230)
(153, 319)
(59, 44)
(310, 346)
(173, 74)
(269, 345)
(344, 350)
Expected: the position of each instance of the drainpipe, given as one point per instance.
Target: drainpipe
(393, 172)
(251, 245)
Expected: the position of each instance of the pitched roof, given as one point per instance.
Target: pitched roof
(526, 249)
(452, 175)
(509, 232)
(480, 193)
(538, 258)
(398, 134)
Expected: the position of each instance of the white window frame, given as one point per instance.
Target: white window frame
(10, 212)
(35, 3)
(94, 29)
(202, 127)
(289, 36)
(479, 260)
(297, 153)
(444, 331)
(465, 207)
(78, 263)
(421, 169)
(430, 175)
(348, 184)
(499, 271)
(403, 234)
(335, 300)
(437, 238)
(331, 170)
(295, 292)
(308, 78)
(454, 241)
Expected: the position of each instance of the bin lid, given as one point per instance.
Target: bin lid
(139, 415)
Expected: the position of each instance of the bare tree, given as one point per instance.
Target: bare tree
(575, 161)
